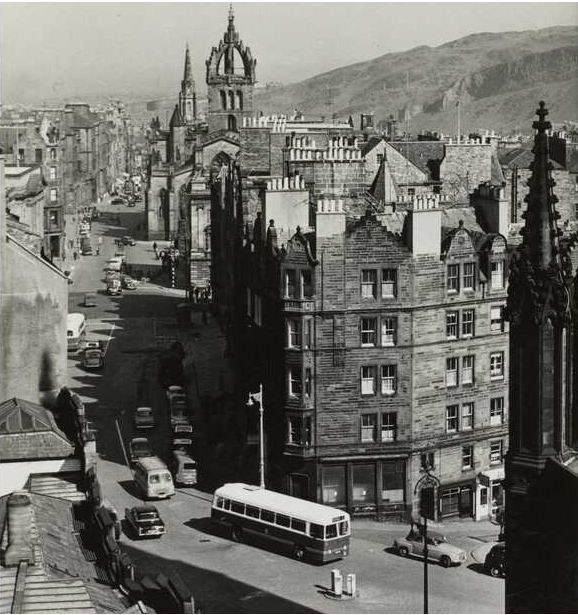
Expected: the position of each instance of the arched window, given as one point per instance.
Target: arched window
(223, 99)
(231, 99)
(239, 99)
(232, 123)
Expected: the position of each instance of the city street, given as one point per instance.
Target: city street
(225, 576)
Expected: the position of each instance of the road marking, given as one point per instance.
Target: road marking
(109, 338)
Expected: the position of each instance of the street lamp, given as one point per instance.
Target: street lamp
(426, 486)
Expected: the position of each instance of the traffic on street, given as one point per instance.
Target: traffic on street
(131, 413)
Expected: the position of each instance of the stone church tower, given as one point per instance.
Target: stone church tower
(187, 95)
(542, 464)
(230, 81)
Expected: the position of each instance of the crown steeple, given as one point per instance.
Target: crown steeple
(187, 95)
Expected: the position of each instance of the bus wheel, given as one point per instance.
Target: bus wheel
(237, 533)
(298, 552)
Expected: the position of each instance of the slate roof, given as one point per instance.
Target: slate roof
(521, 157)
(29, 431)
(64, 578)
(420, 153)
(370, 144)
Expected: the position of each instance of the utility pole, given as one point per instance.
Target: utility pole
(261, 442)
(459, 122)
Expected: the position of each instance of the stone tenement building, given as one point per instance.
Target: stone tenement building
(79, 151)
(542, 462)
(382, 350)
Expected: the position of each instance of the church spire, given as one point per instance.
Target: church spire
(188, 73)
(541, 232)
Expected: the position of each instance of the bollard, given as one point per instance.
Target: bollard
(351, 584)
(336, 582)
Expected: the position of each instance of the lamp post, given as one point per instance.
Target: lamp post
(426, 486)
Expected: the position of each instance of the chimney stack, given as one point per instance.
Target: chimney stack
(329, 218)
(424, 219)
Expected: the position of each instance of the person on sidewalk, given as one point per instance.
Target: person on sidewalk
(75, 255)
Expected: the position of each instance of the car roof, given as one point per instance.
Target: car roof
(146, 508)
(144, 408)
(139, 440)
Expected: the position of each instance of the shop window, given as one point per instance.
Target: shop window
(368, 284)
(388, 427)
(306, 284)
(468, 369)
(450, 501)
(388, 331)
(468, 319)
(469, 276)
(496, 452)
(496, 410)
(452, 324)
(291, 283)
(388, 283)
(368, 380)
(467, 420)
(368, 427)
(388, 379)
(497, 274)
(496, 318)
(392, 481)
(467, 457)
(368, 332)
(452, 418)
(294, 333)
(333, 485)
(363, 484)
(453, 278)
(496, 365)
(452, 372)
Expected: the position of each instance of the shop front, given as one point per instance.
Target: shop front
(457, 499)
(365, 487)
(489, 493)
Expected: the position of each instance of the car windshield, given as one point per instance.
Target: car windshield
(144, 412)
(189, 466)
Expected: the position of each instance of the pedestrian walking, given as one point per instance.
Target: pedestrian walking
(75, 255)
(155, 246)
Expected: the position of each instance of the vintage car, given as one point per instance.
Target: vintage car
(113, 287)
(127, 240)
(144, 522)
(495, 562)
(89, 300)
(184, 468)
(129, 283)
(144, 418)
(93, 358)
(438, 548)
(139, 447)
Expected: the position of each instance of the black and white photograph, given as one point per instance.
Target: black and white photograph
(289, 307)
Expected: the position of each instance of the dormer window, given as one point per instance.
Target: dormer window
(291, 283)
(469, 276)
(453, 278)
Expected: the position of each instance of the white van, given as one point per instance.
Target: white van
(75, 330)
(153, 478)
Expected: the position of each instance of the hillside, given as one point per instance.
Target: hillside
(498, 77)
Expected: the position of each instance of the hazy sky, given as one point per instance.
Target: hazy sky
(68, 50)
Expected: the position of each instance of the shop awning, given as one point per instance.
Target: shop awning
(491, 475)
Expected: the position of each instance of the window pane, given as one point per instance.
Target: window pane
(468, 416)
(290, 283)
(282, 520)
(468, 322)
(388, 283)
(306, 285)
(453, 278)
(368, 380)
(251, 511)
(452, 418)
(331, 531)
(237, 507)
(388, 427)
(333, 482)
(316, 531)
(368, 283)
(298, 525)
(267, 516)
(392, 481)
(388, 331)
(368, 331)
(452, 372)
(452, 320)
(363, 484)
(368, 427)
(388, 379)
(468, 369)
(469, 275)
(497, 274)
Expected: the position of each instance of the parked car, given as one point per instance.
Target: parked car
(127, 240)
(139, 447)
(184, 468)
(118, 200)
(93, 358)
(113, 516)
(89, 300)
(183, 427)
(495, 562)
(439, 549)
(144, 418)
(113, 287)
(144, 521)
(88, 344)
(129, 283)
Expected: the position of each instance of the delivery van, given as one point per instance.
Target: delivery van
(153, 478)
(75, 330)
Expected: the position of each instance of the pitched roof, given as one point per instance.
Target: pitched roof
(496, 174)
(176, 118)
(420, 153)
(521, 157)
(64, 577)
(370, 144)
(29, 431)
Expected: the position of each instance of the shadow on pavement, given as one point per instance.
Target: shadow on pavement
(214, 592)
(130, 487)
